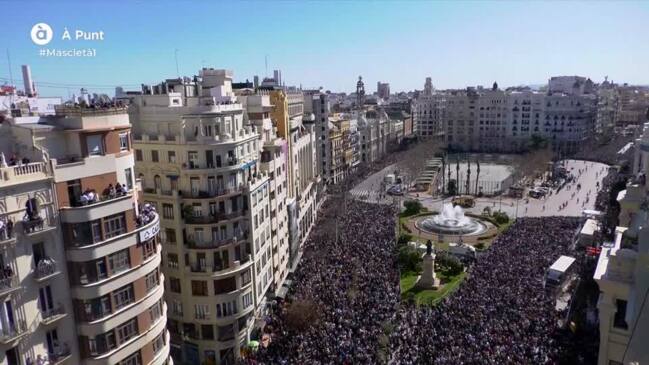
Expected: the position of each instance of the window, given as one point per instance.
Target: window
(168, 211)
(226, 333)
(172, 260)
(123, 142)
(170, 235)
(159, 343)
(247, 300)
(152, 280)
(619, 321)
(207, 331)
(201, 311)
(155, 311)
(128, 175)
(199, 288)
(171, 156)
(154, 156)
(148, 249)
(114, 225)
(223, 286)
(138, 155)
(119, 261)
(127, 331)
(245, 278)
(134, 359)
(123, 296)
(174, 285)
(95, 145)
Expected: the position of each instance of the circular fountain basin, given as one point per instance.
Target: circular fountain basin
(451, 220)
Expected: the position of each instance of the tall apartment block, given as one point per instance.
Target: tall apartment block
(200, 161)
(81, 281)
(303, 177)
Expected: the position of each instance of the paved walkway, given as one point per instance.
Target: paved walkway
(586, 173)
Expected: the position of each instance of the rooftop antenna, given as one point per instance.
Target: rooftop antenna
(176, 57)
(266, 63)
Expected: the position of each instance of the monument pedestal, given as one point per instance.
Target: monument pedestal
(427, 279)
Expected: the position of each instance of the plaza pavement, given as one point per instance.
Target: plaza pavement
(591, 173)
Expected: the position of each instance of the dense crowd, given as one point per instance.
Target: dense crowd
(353, 283)
(501, 314)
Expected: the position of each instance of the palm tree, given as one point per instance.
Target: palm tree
(457, 172)
(468, 176)
(477, 176)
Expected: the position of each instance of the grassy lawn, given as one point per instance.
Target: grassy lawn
(429, 297)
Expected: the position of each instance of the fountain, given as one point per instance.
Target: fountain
(451, 220)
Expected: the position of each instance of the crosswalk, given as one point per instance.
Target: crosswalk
(370, 196)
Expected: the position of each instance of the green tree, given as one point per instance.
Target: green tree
(412, 207)
(500, 217)
(404, 239)
(409, 259)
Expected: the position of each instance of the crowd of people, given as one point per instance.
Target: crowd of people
(501, 314)
(147, 214)
(350, 276)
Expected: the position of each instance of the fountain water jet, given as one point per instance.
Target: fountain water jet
(451, 220)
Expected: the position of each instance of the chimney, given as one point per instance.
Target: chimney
(30, 89)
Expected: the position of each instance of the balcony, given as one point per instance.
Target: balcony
(13, 332)
(96, 209)
(214, 218)
(13, 175)
(7, 236)
(212, 193)
(60, 355)
(37, 225)
(52, 315)
(45, 269)
(207, 245)
(9, 284)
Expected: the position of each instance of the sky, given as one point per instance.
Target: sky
(329, 43)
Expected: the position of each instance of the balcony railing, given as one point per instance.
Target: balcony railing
(23, 173)
(96, 199)
(60, 354)
(212, 193)
(50, 315)
(45, 269)
(8, 283)
(12, 332)
(7, 235)
(214, 218)
(36, 224)
(192, 244)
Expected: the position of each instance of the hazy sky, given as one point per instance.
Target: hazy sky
(331, 43)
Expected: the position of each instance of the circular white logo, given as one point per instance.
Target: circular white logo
(42, 34)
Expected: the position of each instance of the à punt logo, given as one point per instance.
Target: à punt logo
(42, 34)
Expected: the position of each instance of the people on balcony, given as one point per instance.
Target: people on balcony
(147, 214)
(88, 197)
(45, 267)
(7, 272)
(6, 228)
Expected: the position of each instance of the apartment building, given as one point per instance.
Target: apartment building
(90, 287)
(273, 163)
(317, 103)
(622, 273)
(428, 115)
(374, 131)
(302, 172)
(506, 121)
(199, 160)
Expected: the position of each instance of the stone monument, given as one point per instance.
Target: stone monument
(427, 279)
